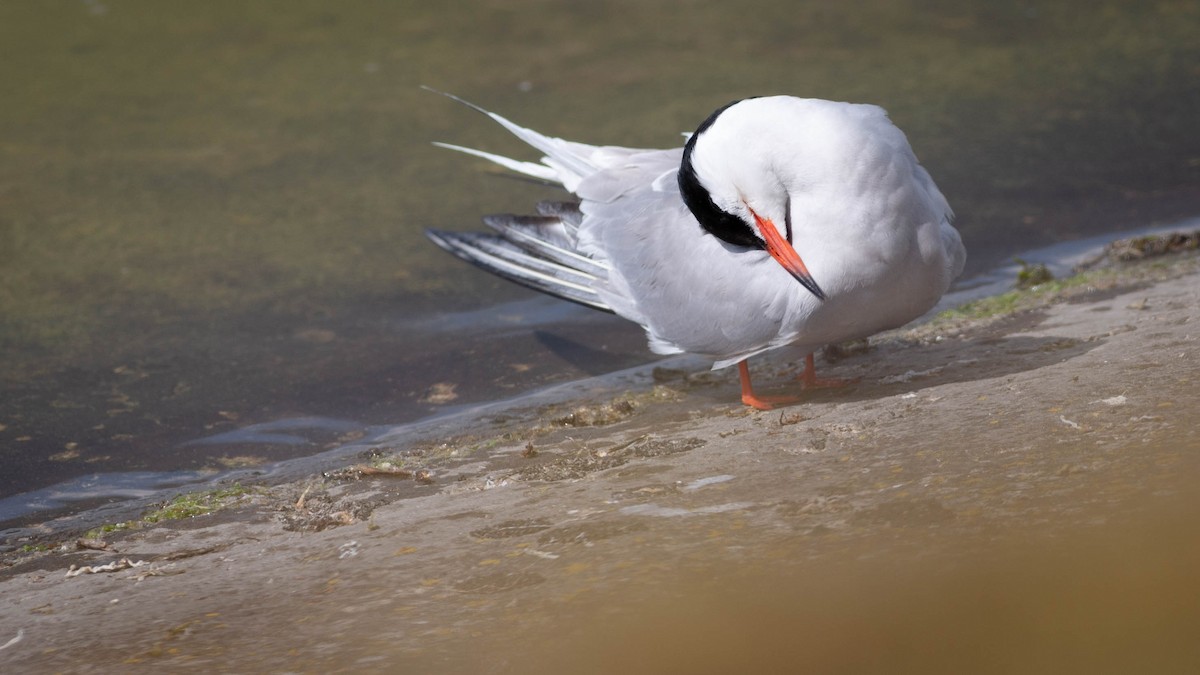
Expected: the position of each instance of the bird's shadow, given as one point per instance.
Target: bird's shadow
(896, 368)
(591, 360)
(890, 367)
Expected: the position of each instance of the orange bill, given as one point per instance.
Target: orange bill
(783, 253)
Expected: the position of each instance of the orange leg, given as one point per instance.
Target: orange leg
(809, 378)
(760, 402)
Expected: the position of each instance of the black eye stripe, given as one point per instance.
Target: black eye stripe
(717, 222)
(787, 217)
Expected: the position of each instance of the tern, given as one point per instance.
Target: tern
(782, 221)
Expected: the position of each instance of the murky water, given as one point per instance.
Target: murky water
(211, 213)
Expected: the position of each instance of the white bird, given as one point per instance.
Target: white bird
(782, 221)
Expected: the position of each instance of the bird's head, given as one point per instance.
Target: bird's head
(735, 179)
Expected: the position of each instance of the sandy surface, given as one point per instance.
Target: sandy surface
(1002, 495)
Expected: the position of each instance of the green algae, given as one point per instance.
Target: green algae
(180, 507)
(196, 504)
(1032, 274)
(1058, 290)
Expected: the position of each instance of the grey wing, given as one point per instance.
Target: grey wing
(543, 252)
(538, 252)
(952, 246)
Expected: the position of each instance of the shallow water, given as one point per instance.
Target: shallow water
(211, 213)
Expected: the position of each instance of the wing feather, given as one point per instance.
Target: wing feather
(501, 257)
(555, 252)
(546, 237)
